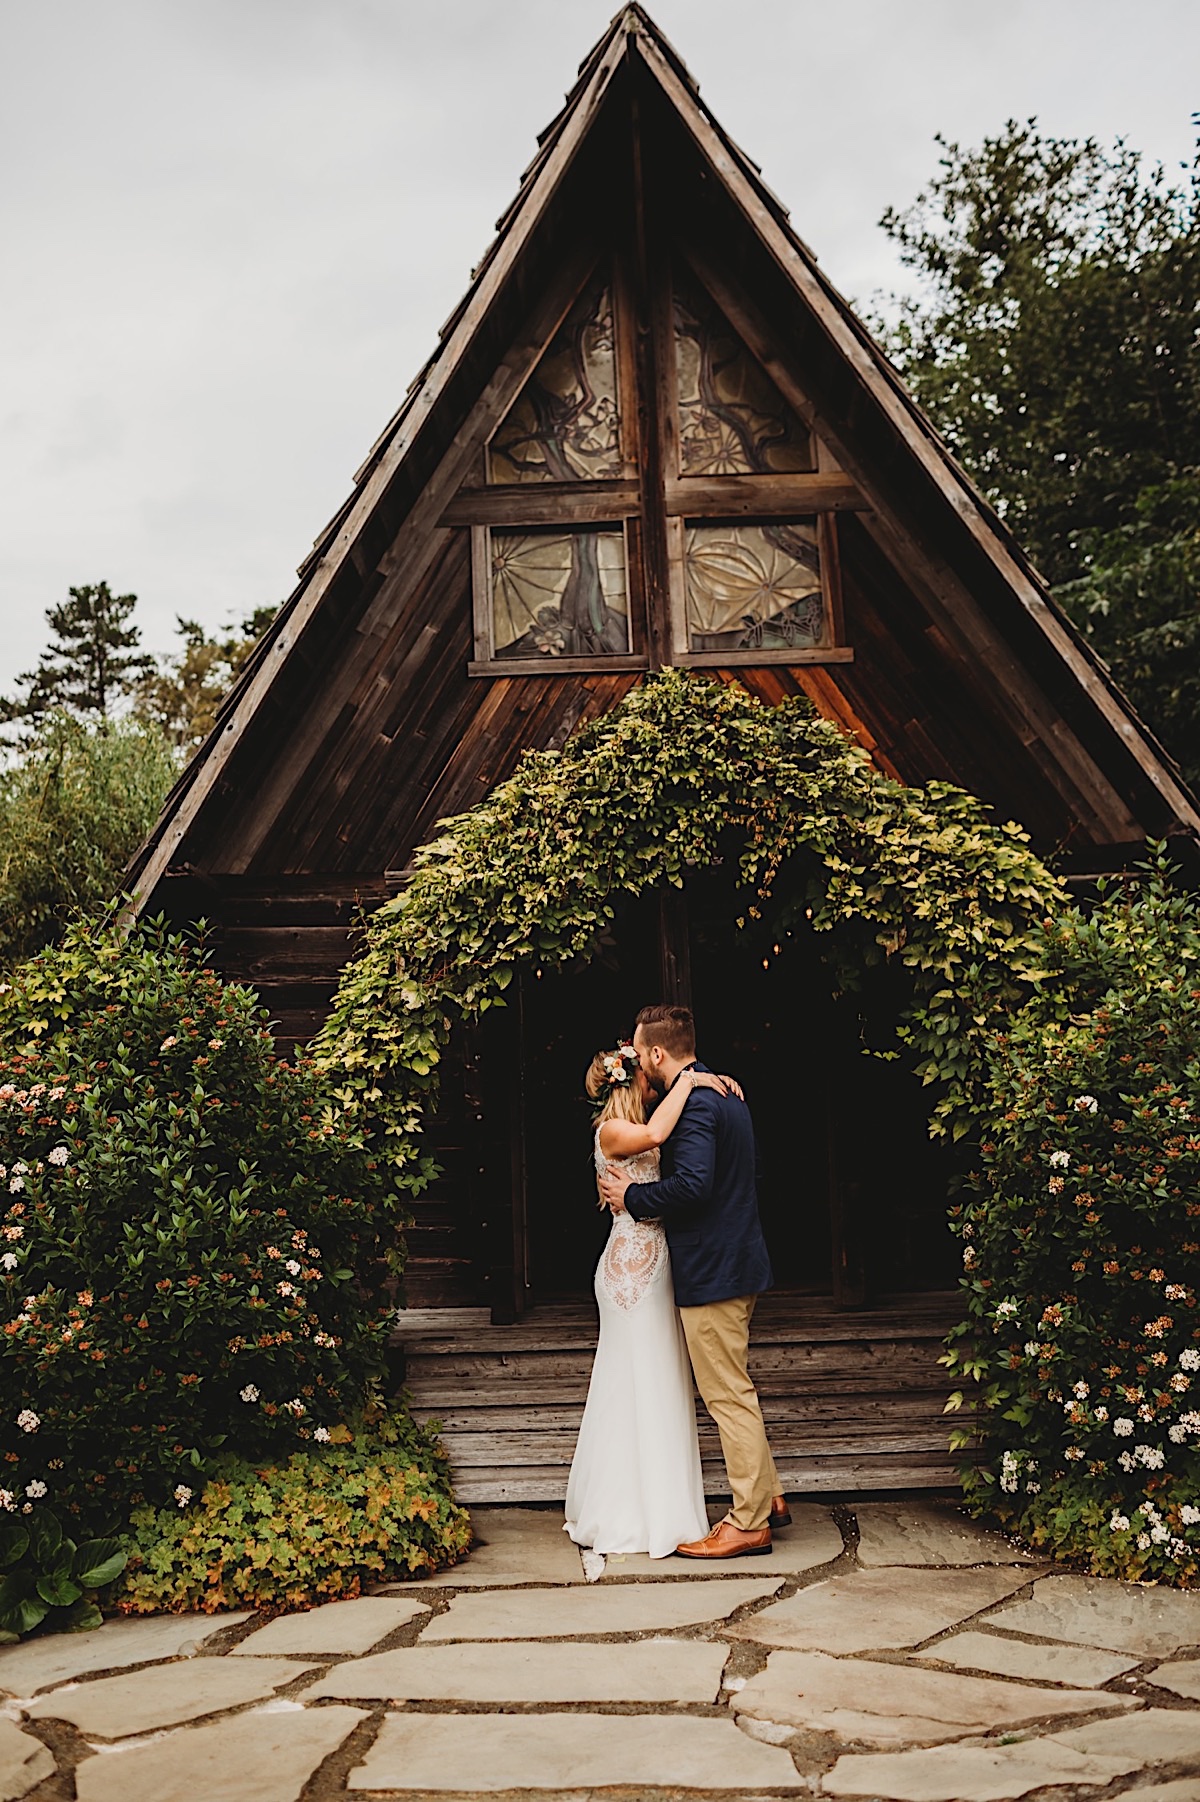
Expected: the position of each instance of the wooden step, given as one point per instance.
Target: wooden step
(557, 1412)
(851, 1475)
(851, 1400)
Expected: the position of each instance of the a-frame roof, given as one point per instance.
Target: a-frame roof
(982, 592)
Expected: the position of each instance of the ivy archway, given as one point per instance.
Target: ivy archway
(684, 772)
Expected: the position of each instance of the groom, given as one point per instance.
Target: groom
(707, 1203)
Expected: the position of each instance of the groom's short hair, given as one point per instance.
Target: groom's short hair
(671, 1027)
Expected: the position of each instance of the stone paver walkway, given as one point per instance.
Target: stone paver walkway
(888, 1649)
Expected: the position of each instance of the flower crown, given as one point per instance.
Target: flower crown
(619, 1067)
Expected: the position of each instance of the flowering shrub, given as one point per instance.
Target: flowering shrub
(1081, 1246)
(310, 1530)
(188, 1232)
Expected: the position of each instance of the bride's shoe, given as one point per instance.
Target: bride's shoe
(727, 1541)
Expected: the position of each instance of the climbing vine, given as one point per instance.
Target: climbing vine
(683, 774)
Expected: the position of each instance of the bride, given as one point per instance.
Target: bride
(635, 1483)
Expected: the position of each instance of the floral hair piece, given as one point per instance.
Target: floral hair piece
(619, 1066)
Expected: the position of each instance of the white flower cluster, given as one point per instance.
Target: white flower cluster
(59, 1155)
(295, 1406)
(1060, 1159)
(1122, 1427)
(619, 1065)
(1175, 1292)
(1189, 1358)
(1187, 1423)
(249, 1393)
(321, 1434)
(183, 1495)
(9, 1260)
(35, 1490)
(28, 1421)
(1086, 1104)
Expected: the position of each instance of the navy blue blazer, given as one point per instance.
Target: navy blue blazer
(708, 1203)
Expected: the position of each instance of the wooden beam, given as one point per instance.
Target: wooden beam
(830, 653)
(543, 503)
(762, 497)
(556, 666)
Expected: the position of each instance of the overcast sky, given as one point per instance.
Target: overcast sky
(229, 229)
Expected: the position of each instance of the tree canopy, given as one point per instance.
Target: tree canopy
(182, 693)
(75, 803)
(1055, 340)
(92, 658)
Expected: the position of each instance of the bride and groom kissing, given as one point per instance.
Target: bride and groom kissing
(683, 1266)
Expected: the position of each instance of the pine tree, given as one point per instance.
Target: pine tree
(90, 661)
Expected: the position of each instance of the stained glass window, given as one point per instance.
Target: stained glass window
(559, 594)
(753, 587)
(564, 426)
(732, 418)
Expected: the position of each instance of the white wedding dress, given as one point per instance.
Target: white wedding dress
(635, 1483)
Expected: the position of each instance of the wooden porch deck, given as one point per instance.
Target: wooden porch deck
(853, 1401)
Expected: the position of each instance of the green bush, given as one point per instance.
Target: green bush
(196, 1250)
(76, 801)
(48, 1578)
(311, 1530)
(1081, 1244)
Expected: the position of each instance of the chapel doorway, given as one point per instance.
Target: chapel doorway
(853, 1194)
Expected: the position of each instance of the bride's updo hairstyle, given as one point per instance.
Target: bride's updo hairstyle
(612, 1086)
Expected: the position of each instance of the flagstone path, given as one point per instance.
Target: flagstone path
(886, 1649)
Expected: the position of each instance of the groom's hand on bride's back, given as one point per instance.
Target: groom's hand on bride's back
(612, 1190)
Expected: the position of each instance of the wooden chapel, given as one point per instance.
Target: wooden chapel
(652, 433)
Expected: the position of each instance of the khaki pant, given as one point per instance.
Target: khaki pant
(718, 1341)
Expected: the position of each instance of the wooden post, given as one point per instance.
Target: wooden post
(649, 291)
(674, 950)
(849, 1274)
(501, 1164)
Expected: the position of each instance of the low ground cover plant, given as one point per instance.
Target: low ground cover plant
(1081, 1247)
(373, 1505)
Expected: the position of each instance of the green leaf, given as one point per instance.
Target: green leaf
(99, 1561)
(83, 1618)
(58, 1589)
(45, 1535)
(14, 1541)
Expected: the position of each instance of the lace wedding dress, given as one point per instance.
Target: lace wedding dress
(635, 1483)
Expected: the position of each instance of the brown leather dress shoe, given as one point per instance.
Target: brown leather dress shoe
(727, 1541)
(781, 1514)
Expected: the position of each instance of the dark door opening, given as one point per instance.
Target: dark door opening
(852, 1192)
